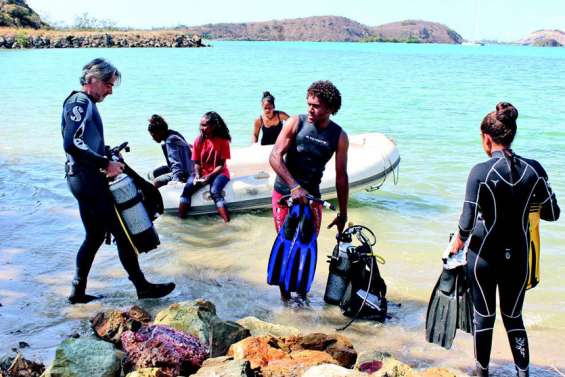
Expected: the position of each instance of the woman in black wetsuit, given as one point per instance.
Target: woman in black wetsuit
(270, 122)
(500, 194)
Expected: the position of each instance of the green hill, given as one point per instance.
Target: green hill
(16, 13)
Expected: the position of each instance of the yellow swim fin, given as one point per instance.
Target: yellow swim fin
(534, 252)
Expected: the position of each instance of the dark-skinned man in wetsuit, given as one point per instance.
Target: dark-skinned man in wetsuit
(301, 152)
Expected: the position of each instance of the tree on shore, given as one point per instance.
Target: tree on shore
(87, 22)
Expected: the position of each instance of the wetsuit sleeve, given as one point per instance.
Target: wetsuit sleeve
(76, 116)
(544, 197)
(470, 205)
(174, 158)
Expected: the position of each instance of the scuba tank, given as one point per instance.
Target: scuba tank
(131, 207)
(354, 280)
(340, 264)
(132, 212)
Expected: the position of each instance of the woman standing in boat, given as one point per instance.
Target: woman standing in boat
(270, 122)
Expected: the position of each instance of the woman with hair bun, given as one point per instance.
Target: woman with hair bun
(270, 121)
(500, 194)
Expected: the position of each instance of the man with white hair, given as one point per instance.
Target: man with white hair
(87, 169)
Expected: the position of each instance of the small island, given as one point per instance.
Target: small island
(545, 38)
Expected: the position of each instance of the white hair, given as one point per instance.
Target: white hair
(100, 69)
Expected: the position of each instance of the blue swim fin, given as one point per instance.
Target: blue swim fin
(301, 265)
(281, 248)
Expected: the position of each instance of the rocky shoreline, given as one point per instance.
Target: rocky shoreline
(189, 339)
(25, 39)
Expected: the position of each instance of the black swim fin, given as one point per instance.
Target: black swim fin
(464, 303)
(441, 317)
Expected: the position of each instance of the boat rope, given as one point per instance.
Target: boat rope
(395, 174)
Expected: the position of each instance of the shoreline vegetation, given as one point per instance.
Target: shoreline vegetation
(24, 38)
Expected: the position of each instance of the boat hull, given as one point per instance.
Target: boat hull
(371, 158)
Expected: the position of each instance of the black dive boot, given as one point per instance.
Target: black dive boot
(480, 372)
(522, 373)
(146, 289)
(78, 295)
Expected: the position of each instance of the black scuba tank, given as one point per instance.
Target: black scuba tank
(340, 265)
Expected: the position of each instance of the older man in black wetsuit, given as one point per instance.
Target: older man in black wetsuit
(301, 152)
(87, 169)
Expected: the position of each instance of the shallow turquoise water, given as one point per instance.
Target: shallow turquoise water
(429, 98)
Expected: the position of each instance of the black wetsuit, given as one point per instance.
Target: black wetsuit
(308, 155)
(269, 134)
(499, 195)
(83, 139)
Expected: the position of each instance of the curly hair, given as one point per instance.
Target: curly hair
(157, 124)
(501, 123)
(219, 127)
(326, 92)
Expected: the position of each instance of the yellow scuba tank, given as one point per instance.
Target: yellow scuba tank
(534, 250)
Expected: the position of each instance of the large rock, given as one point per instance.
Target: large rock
(382, 364)
(85, 357)
(199, 318)
(331, 370)
(110, 325)
(258, 328)
(259, 350)
(337, 346)
(173, 351)
(19, 367)
(292, 356)
(296, 363)
(225, 367)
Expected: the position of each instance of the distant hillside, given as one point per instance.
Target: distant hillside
(329, 28)
(416, 31)
(551, 38)
(324, 28)
(16, 13)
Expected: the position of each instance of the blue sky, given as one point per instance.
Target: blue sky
(504, 20)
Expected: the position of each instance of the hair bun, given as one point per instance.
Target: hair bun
(267, 94)
(506, 113)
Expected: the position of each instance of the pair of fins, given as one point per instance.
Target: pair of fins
(292, 263)
(450, 308)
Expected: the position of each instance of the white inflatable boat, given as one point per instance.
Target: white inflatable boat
(371, 158)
